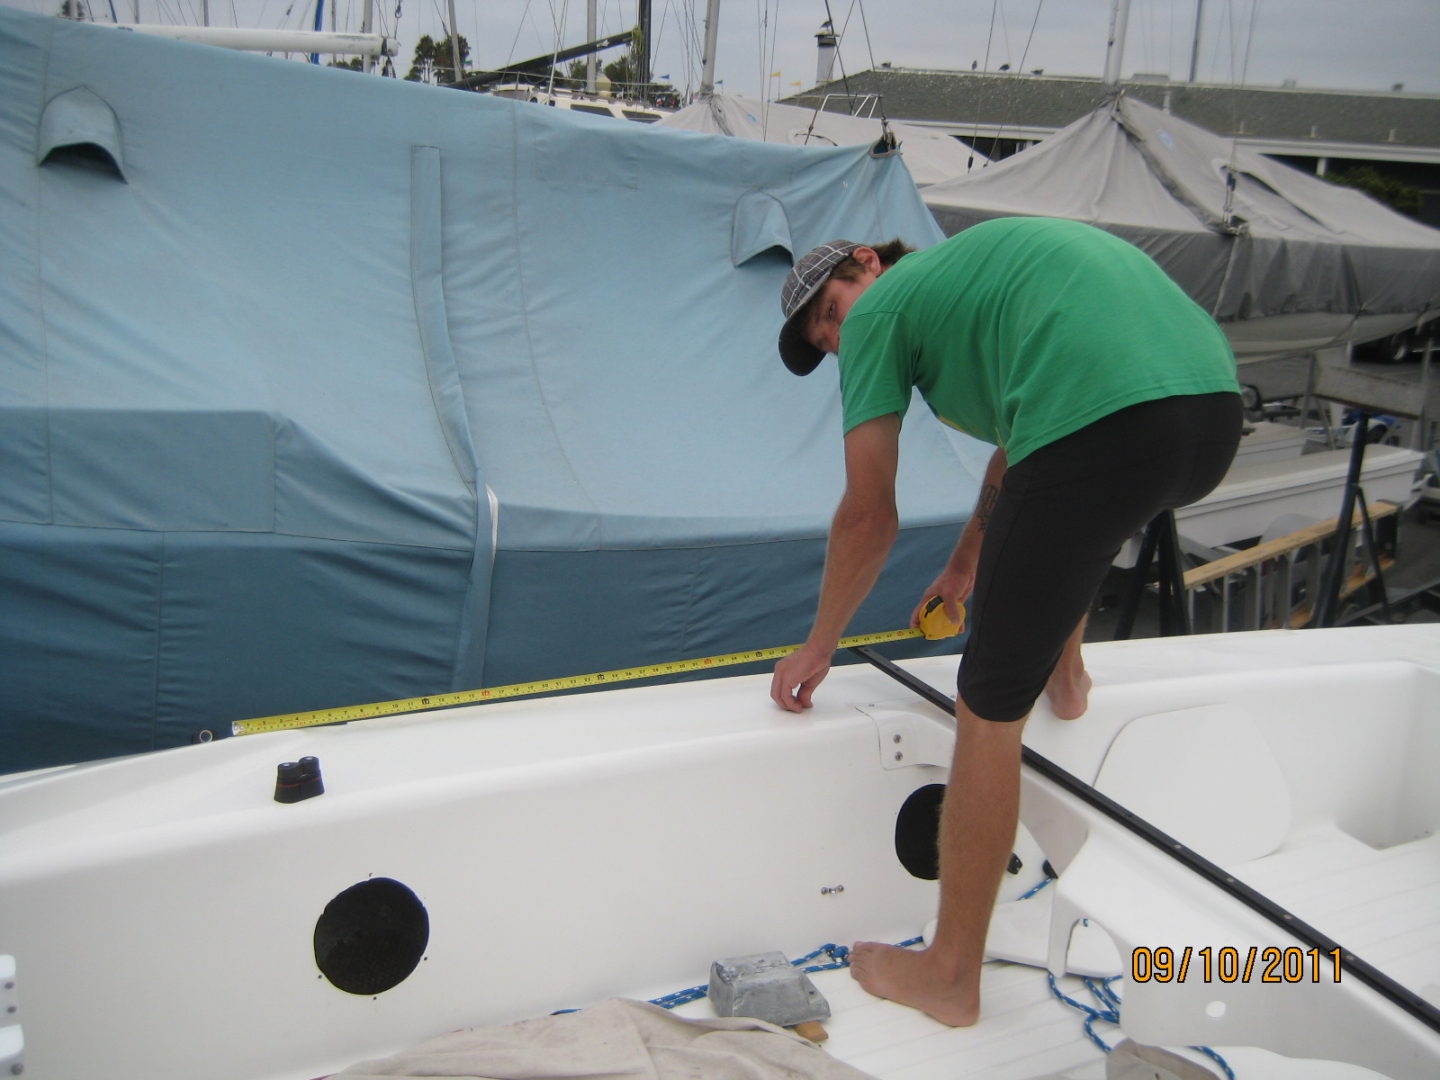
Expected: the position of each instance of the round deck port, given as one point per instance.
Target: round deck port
(371, 936)
(917, 832)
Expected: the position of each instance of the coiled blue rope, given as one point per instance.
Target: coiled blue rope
(1107, 1010)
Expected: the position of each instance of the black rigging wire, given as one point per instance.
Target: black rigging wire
(1029, 40)
(864, 25)
(839, 59)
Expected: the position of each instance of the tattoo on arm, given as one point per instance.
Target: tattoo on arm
(985, 505)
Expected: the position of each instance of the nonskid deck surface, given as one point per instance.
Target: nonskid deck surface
(1381, 903)
(1025, 1033)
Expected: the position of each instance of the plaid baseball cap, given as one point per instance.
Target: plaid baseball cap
(802, 283)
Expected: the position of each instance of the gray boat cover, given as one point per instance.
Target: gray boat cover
(1284, 260)
(319, 389)
(930, 155)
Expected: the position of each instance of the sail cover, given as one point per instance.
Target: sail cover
(930, 155)
(319, 389)
(1286, 262)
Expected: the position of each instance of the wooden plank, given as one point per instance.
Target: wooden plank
(1311, 534)
(1301, 616)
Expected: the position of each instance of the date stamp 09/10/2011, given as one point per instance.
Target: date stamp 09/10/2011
(1271, 964)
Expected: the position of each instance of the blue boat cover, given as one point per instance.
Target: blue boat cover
(319, 389)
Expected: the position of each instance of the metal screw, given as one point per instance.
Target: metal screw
(895, 738)
(899, 756)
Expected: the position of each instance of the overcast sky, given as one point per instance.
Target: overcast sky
(1331, 44)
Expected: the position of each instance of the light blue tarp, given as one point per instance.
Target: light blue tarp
(319, 389)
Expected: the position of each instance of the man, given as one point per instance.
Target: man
(1109, 395)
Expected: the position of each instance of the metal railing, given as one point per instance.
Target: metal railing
(1275, 583)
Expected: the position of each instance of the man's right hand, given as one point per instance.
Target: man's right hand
(953, 587)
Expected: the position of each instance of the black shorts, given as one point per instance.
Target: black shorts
(1060, 519)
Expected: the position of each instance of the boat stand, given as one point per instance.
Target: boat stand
(1161, 542)
(1368, 393)
(1327, 603)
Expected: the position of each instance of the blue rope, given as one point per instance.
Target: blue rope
(839, 958)
(1230, 1073)
(1107, 1010)
(680, 997)
(1034, 889)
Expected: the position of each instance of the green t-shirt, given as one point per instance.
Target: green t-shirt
(1022, 330)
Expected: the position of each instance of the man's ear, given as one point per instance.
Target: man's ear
(869, 258)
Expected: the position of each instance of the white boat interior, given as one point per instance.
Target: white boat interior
(162, 916)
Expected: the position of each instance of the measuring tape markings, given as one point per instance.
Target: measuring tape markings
(344, 714)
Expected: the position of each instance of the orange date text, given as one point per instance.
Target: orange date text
(1271, 964)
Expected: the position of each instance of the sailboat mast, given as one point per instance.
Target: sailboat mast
(591, 63)
(455, 43)
(642, 54)
(1195, 44)
(707, 58)
(319, 25)
(1115, 48)
(367, 23)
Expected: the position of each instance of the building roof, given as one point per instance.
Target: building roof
(1398, 125)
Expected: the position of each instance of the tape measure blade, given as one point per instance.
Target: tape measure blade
(350, 713)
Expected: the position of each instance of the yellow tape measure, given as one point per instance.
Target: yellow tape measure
(931, 627)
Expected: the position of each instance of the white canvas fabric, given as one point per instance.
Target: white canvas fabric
(931, 156)
(617, 1039)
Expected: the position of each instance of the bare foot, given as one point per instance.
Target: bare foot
(914, 979)
(1069, 696)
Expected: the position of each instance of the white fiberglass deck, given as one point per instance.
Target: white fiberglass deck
(1026, 1034)
(163, 911)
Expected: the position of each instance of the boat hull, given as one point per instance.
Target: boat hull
(168, 918)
